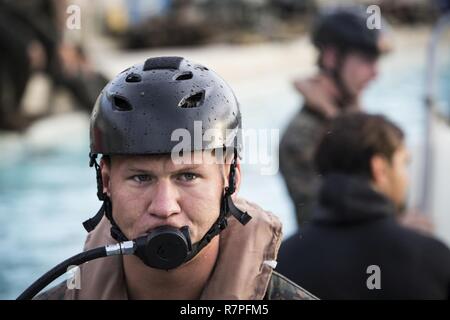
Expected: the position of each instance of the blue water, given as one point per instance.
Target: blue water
(43, 199)
(46, 192)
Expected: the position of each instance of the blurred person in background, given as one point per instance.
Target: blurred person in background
(355, 247)
(348, 61)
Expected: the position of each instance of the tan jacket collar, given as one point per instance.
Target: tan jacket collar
(320, 94)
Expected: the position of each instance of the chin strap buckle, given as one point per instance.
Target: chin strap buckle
(242, 216)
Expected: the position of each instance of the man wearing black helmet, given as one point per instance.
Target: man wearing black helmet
(347, 61)
(197, 240)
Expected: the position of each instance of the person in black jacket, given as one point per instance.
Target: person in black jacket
(354, 247)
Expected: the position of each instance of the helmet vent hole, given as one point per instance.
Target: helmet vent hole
(133, 77)
(202, 68)
(121, 104)
(192, 101)
(184, 76)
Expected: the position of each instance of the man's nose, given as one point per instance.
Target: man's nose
(164, 202)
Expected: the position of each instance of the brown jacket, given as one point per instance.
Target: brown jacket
(246, 250)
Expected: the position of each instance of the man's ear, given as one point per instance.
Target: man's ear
(379, 168)
(238, 175)
(105, 168)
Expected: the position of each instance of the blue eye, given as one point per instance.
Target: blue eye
(142, 178)
(188, 176)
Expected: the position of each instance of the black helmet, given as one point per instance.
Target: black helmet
(346, 29)
(139, 110)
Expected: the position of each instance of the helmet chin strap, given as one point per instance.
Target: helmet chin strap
(346, 98)
(227, 208)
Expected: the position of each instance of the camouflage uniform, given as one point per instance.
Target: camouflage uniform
(297, 148)
(281, 288)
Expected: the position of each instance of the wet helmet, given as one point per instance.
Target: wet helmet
(346, 29)
(139, 110)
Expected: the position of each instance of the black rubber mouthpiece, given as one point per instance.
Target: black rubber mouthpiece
(164, 247)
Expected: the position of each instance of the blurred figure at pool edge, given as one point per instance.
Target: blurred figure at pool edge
(32, 39)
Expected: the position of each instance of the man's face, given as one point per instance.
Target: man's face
(150, 191)
(393, 178)
(357, 71)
